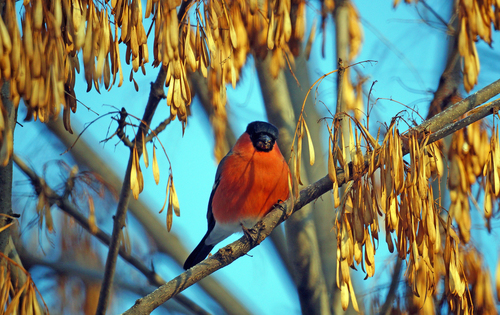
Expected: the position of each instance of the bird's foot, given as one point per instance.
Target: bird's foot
(249, 233)
(280, 205)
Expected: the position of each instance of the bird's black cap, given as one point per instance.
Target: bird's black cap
(258, 127)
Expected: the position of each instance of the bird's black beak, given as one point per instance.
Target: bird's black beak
(264, 142)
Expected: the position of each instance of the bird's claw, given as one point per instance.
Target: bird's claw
(249, 234)
(279, 205)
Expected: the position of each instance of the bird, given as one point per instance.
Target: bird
(250, 180)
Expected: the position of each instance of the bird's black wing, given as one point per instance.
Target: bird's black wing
(202, 250)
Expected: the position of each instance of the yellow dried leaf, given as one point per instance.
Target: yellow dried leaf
(14, 302)
(134, 182)
(5, 38)
(312, 156)
(92, 220)
(270, 32)
(353, 297)
(332, 172)
(175, 199)
(169, 212)
(344, 296)
(336, 197)
(3, 228)
(166, 194)
(156, 170)
(299, 153)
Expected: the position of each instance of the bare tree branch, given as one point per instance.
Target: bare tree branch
(476, 114)
(454, 112)
(262, 229)
(6, 171)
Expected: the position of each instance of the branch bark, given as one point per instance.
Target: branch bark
(454, 112)
(7, 245)
(6, 171)
(233, 251)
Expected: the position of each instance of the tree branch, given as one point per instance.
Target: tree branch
(157, 130)
(451, 113)
(477, 114)
(7, 246)
(233, 251)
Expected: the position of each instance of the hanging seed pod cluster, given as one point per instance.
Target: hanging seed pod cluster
(383, 188)
(213, 37)
(467, 155)
(476, 19)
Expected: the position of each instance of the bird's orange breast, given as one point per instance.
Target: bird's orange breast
(252, 182)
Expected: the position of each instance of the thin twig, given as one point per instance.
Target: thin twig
(158, 129)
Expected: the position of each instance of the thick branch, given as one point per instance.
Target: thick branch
(6, 171)
(477, 114)
(454, 112)
(233, 251)
(7, 246)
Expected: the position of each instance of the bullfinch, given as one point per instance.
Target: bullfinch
(249, 181)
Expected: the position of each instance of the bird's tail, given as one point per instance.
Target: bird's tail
(199, 253)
